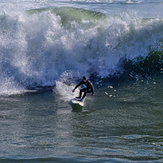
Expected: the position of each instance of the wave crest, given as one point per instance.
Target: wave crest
(36, 47)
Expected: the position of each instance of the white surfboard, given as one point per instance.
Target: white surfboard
(75, 101)
(75, 104)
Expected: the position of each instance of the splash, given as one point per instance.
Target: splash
(38, 46)
(65, 85)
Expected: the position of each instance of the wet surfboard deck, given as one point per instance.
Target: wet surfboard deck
(75, 104)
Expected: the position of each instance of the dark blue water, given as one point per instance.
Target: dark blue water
(122, 123)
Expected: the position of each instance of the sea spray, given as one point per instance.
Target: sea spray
(37, 46)
(65, 84)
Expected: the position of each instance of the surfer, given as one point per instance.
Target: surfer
(89, 88)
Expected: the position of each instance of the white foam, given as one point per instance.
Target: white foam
(37, 47)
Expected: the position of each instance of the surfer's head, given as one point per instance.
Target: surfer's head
(84, 79)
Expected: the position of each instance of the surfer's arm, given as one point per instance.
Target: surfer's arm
(77, 86)
(92, 89)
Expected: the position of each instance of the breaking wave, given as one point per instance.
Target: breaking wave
(39, 45)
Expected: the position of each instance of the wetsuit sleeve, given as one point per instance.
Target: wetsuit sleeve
(91, 86)
(78, 85)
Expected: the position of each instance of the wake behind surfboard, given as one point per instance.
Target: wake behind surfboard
(76, 105)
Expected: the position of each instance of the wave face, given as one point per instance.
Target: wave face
(38, 45)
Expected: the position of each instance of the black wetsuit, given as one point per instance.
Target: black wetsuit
(89, 88)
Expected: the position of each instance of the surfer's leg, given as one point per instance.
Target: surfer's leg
(80, 93)
(84, 95)
(85, 91)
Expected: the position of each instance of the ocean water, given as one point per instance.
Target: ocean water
(46, 46)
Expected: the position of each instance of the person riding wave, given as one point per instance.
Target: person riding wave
(89, 88)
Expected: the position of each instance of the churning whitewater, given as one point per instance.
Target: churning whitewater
(38, 45)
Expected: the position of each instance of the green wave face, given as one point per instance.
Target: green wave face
(69, 15)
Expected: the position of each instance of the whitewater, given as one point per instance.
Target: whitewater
(40, 40)
(47, 46)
